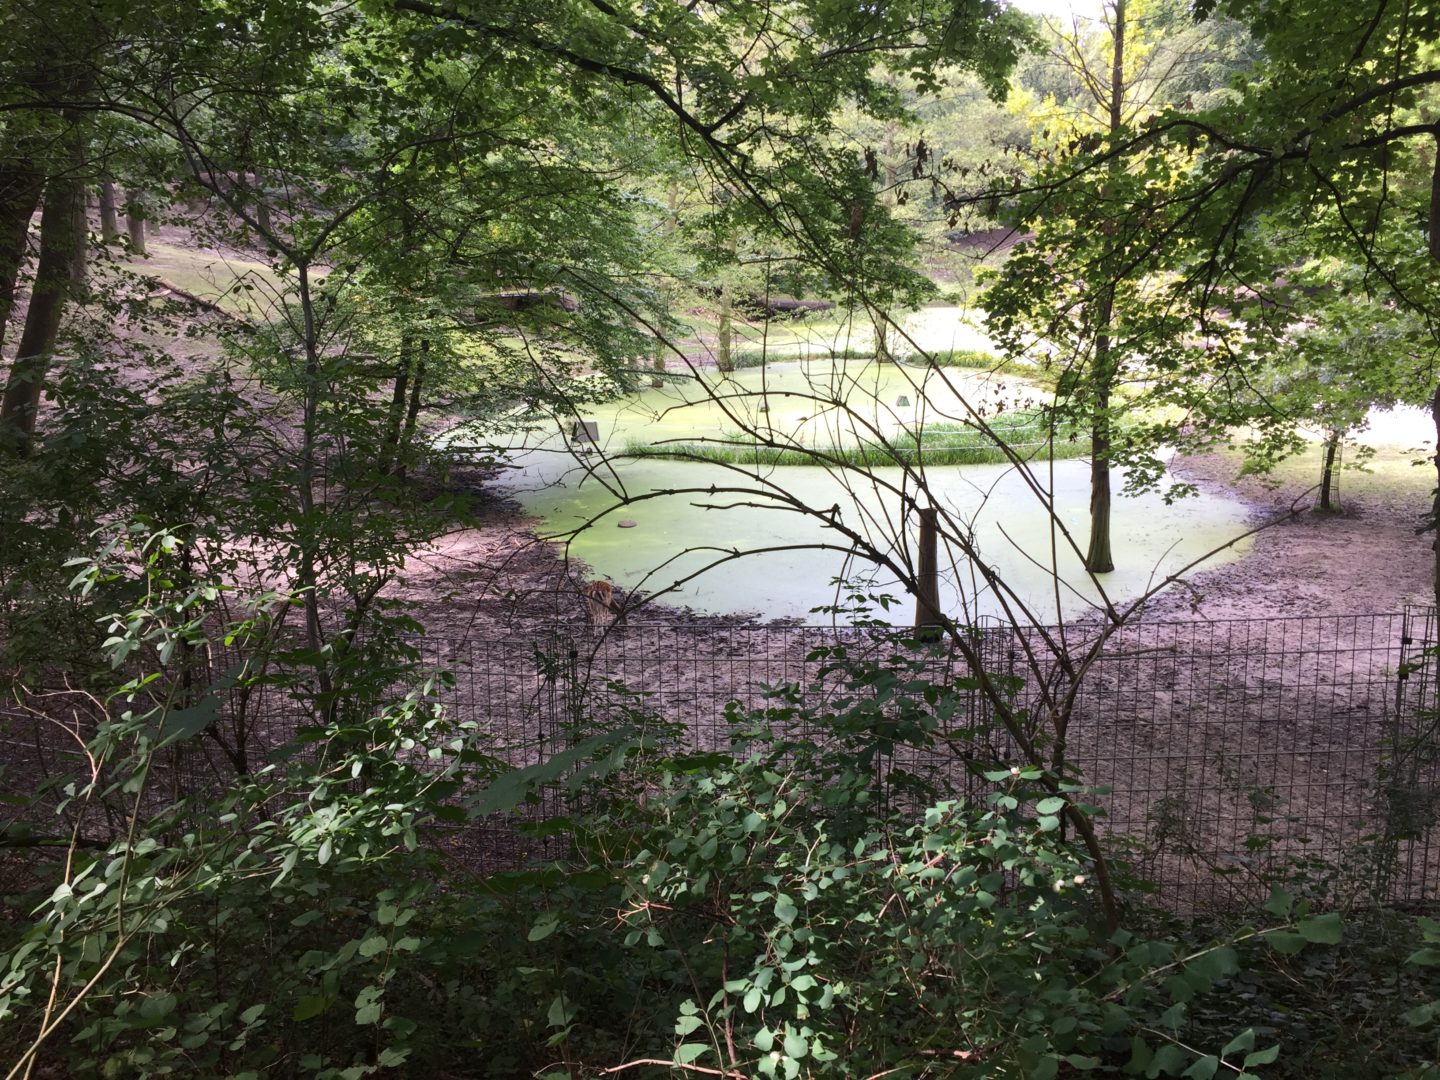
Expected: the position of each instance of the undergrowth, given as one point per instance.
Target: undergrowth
(802, 900)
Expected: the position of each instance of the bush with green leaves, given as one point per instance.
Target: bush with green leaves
(806, 900)
(196, 933)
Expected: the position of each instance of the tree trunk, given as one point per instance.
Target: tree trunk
(928, 618)
(395, 419)
(724, 345)
(412, 414)
(882, 339)
(19, 195)
(81, 237)
(54, 281)
(1098, 556)
(1327, 472)
(1435, 505)
(262, 209)
(135, 225)
(109, 219)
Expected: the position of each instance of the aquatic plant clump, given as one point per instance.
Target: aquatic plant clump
(1026, 433)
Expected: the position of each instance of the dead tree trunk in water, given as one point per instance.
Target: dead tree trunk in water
(928, 619)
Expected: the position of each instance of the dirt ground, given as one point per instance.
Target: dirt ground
(1366, 559)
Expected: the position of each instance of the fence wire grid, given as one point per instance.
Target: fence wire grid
(1228, 755)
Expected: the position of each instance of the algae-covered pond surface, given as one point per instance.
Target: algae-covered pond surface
(680, 526)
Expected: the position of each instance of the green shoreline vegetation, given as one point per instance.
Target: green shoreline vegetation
(1026, 433)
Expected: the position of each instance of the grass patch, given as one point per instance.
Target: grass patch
(1026, 433)
(964, 359)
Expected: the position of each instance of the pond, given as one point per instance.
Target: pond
(673, 526)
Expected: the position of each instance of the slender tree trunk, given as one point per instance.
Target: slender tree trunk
(417, 380)
(399, 393)
(412, 414)
(19, 196)
(882, 338)
(262, 208)
(109, 219)
(1098, 557)
(135, 225)
(724, 345)
(1434, 250)
(1327, 472)
(54, 281)
(307, 564)
(81, 236)
(928, 618)
(1435, 505)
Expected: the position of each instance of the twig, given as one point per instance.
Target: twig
(672, 1065)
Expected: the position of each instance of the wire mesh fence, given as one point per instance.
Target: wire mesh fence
(1225, 755)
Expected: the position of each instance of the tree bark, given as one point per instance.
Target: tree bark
(412, 414)
(882, 339)
(1099, 558)
(1327, 472)
(109, 218)
(19, 196)
(81, 238)
(725, 339)
(135, 225)
(1435, 504)
(395, 419)
(54, 282)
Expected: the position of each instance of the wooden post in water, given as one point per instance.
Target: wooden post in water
(927, 585)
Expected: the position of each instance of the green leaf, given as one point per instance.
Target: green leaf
(544, 926)
(181, 724)
(1262, 1057)
(374, 945)
(686, 1024)
(1052, 805)
(796, 1045)
(1168, 1061)
(1217, 963)
(560, 1012)
(785, 909)
(309, 1007)
(1321, 929)
(688, 1052)
(1280, 903)
(1284, 942)
(1204, 1068)
(1244, 1041)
